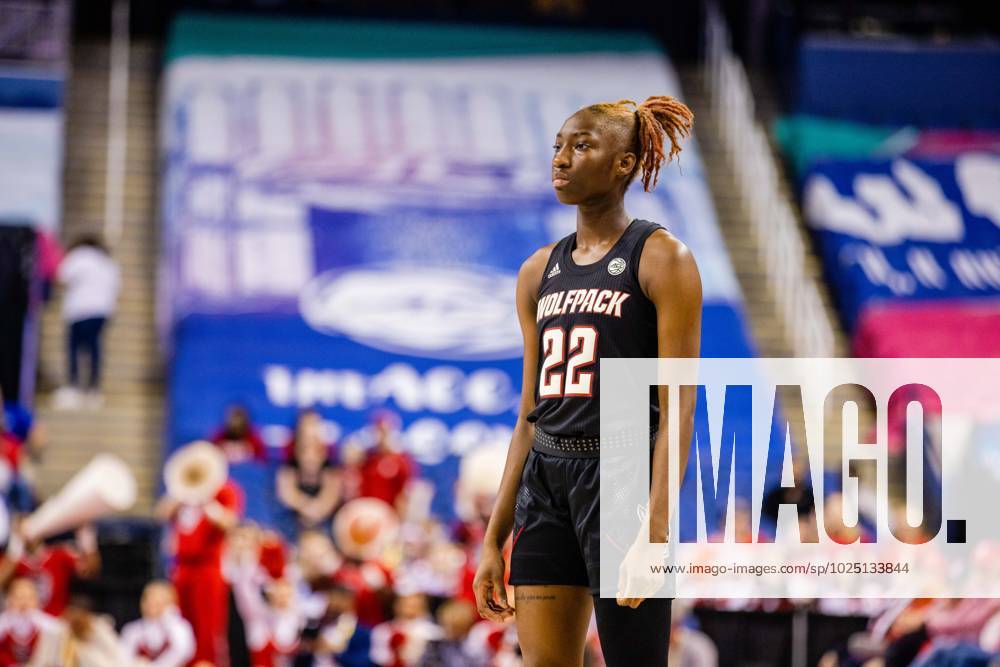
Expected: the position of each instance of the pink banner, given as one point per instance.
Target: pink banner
(947, 143)
(929, 329)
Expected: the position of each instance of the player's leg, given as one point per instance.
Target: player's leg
(637, 637)
(552, 624)
(629, 637)
(551, 600)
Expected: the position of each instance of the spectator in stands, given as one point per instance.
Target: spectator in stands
(451, 649)
(274, 619)
(320, 565)
(17, 420)
(86, 639)
(960, 619)
(800, 495)
(309, 484)
(92, 282)
(835, 525)
(48, 257)
(494, 644)
(23, 624)
(386, 470)
(917, 627)
(162, 636)
(317, 559)
(343, 639)
(689, 647)
(431, 563)
(52, 567)
(199, 533)
(15, 493)
(401, 642)
(11, 446)
(238, 438)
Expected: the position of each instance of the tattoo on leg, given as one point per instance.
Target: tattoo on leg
(523, 597)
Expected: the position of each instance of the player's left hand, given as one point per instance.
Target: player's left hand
(637, 575)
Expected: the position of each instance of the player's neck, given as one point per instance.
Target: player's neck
(600, 224)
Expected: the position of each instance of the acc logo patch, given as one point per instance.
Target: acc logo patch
(442, 313)
(616, 266)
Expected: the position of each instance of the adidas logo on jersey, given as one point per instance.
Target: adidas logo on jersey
(554, 272)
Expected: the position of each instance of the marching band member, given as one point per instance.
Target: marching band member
(199, 533)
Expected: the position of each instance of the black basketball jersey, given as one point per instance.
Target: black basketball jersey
(587, 313)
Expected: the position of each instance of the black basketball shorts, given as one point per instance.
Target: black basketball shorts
(557, 520)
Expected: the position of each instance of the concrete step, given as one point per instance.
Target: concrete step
(131, 422)
(741, 241)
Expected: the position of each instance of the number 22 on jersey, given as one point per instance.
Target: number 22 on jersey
(578, 350)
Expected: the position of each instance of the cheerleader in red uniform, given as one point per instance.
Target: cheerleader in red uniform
(23, 624)
(401, 641)
(52, 567)
(161, 637)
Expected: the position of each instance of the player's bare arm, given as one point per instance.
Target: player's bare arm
(491, 597)
(669, 276)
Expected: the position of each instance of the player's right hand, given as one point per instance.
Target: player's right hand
(491, 595)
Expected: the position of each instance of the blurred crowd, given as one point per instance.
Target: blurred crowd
(368, 575)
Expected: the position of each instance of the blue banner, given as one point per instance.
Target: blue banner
(906, 230)
(345, 234)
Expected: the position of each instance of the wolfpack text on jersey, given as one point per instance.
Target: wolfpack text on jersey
(586, 313)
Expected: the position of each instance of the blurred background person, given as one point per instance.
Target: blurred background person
(161, 637)
(16, 489)
(85, 639)
(274, 620)
(387, 469)
(53, 566)
(198, 534)
(238, 438)
(267, 607)
(92, 281)
(308, 483)
(23, 626)
(455, 618)
(689, 647)
(343, 640)
(320, 566)
(400, 642)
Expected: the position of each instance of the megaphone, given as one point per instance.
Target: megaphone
(195, 473)
(104, 486)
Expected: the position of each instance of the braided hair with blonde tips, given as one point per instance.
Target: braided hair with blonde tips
(657, 116)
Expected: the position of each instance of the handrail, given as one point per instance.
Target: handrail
(114, 191)
(806, 322)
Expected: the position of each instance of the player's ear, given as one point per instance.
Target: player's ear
(625, 164)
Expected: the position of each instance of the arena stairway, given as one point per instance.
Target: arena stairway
(130, 423)
(769, 331)
(768, 328)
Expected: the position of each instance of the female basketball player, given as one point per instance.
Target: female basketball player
(617, 287)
